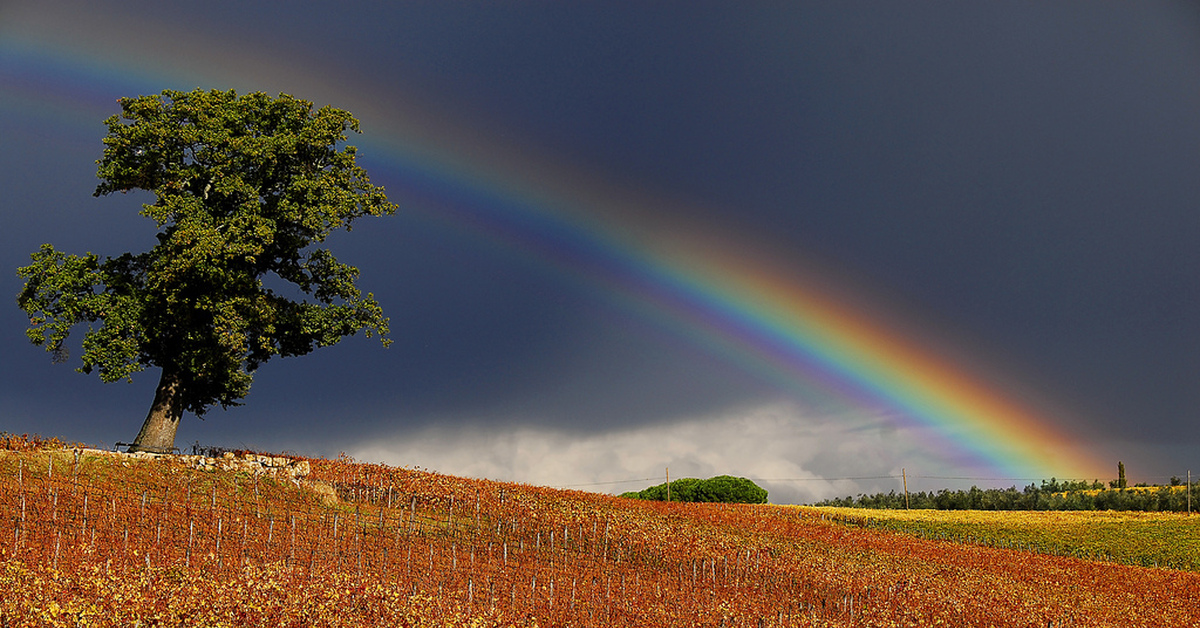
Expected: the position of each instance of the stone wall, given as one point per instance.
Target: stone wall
(256, 464)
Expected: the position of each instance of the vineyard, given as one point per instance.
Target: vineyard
(91, 538)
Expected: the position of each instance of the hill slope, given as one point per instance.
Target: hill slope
(98, 539)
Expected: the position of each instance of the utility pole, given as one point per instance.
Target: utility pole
(668, 483)
(904, 475)
(1189, 491)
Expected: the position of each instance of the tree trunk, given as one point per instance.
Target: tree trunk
(158, 432)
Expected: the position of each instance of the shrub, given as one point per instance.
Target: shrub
(722, 488)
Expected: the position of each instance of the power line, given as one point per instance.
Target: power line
(956, 477)
(605, 483)
(865, 477)
(868, 477)
(843, 479)
(922, 477)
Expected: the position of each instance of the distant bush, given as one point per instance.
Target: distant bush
(722, 488)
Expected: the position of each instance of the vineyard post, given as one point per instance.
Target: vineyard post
(312, 547)
(218, 550)
(359, 531)
(292, 546)
(17, 532)
(608, 595)
(162, 507)
(21, 529)
(336, 548)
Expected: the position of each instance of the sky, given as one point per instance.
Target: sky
(828, 246)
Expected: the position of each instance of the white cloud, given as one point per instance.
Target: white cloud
(797, 458)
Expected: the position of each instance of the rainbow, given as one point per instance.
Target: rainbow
(780, 322)
(790, 331)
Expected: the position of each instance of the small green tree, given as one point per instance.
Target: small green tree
(246, 188)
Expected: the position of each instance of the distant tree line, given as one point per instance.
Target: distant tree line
(1051, 495)
(722, 488)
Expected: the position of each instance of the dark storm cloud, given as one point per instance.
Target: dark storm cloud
(1021, 176)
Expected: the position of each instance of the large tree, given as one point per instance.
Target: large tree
(246, 190)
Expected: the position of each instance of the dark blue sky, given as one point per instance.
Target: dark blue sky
(1020, 178)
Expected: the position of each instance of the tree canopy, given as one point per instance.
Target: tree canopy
(245, 188)
(722, 488)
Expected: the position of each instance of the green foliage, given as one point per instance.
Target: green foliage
(722, 488)
(1120, 481)
(246, 188)
(1051, 495)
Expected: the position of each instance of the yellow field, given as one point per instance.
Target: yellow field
(1149, 539)
(1136, 489)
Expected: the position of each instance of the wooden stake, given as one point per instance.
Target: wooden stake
(292, 546)
(187, 557)
(218, 551)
